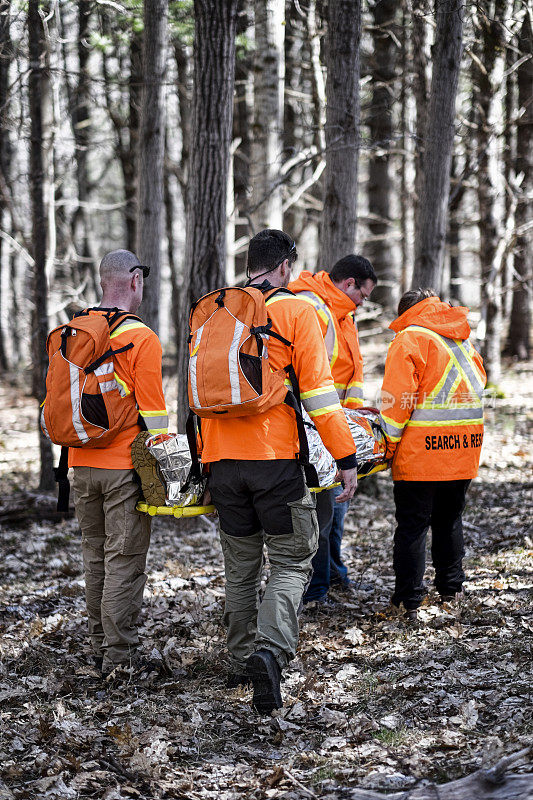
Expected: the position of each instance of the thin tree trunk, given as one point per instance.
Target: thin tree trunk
(6, 56)
(214, 72)
(339, 218)
(404, 192)
(419, 37)
(454, 240)
(488, 38)
(151, 153)
(177, 321)
(432, 212)
(383, 73)
(269, 75)
(39, 229)
(520, 328)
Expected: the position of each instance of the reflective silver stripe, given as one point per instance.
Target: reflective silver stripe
(355, 392)
(463, 358)
(43, 425)
(233, 363)
(391, 430)
(107, 386)
(192, 369)
(341, 393)
(330, 336)
(315, 403)
(75, 402)
(446, 414)
(442, 394)
(104, 369)
(155, 422)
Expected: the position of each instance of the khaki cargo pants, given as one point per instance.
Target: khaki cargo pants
(115, 540)
(264, 503)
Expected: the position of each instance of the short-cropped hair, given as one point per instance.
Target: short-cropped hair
(268, 248)
(353, 266)
(412, 297)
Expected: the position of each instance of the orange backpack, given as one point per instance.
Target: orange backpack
(83, 406)
(229, 371)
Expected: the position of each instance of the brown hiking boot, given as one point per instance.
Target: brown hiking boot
(149, 471)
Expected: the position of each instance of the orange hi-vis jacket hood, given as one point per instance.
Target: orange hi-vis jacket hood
(138, 372)
(273, 434)
(432, 409)
(335, 313)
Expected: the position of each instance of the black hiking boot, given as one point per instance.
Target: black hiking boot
(265, 673)
(236, 679)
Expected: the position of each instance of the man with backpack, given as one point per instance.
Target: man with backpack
(335, 296)
(115, 537)
(257, 480)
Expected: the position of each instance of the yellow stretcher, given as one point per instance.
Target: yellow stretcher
(197, 511)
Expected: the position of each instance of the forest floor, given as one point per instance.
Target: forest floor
(369, 701)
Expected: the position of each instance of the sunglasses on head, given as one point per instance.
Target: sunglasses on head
(146, 270)
(292, 255)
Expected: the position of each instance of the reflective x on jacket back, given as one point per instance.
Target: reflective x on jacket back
(273, 433)
(335, 313)
(138, 370)
(432, 410)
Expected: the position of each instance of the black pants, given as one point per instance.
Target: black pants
(420, 504)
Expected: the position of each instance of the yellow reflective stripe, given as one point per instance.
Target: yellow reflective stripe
(453, 422)
(330, 337)
(160, 413)
(352, 401)
(315, 392)
(340, 385)
(278, 297)
(122, 388)
(153, 431)
(127, 327)
(393, 429)
(442, 379)
(326, 410)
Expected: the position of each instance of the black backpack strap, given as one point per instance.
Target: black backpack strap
(190, 429)
(292, 399)
(61, 478)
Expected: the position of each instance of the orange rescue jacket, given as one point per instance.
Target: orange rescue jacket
(138, 372)
(432, 409)
(335, 313)
(272, 434)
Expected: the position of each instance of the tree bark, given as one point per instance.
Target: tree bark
(151, 153)
(214, 72)
(419, 37)
(383, 73)
(520, 328)
(488, 39)
(269, 75)
(339, 218)
(6, 55)
(39, 229)
(432, 211)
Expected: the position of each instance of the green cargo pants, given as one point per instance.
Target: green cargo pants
(264, 503)
(115, 540)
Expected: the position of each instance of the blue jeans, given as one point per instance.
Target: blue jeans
(338, 570)
(319, 584)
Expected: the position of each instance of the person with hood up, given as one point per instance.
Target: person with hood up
(335, 297)
(432, 415)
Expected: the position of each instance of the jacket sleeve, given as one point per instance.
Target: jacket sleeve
(399, 393)
(317, 391)
(148, 383)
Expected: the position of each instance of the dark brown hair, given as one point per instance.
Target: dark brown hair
(412, 297)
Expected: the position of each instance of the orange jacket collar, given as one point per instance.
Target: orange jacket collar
(320, 283)
(432, 313)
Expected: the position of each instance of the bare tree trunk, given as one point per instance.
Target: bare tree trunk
(339, 218)
(488, 38)
(175, 316)
(151, 153)
(214, 71)
(5, 145)
(242, 130)
(520, 328)
(184, 104)
(420, 12)
(39, 229)
(402, 168)
(432, 212)
(269, 75)
(383, 73)
(454, 241)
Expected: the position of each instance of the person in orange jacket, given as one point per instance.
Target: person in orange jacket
(258, 486)
(116, 537)
(335, 297)
(432, 415)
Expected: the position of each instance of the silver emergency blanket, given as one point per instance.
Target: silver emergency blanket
(173, 456)
(368, 437)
